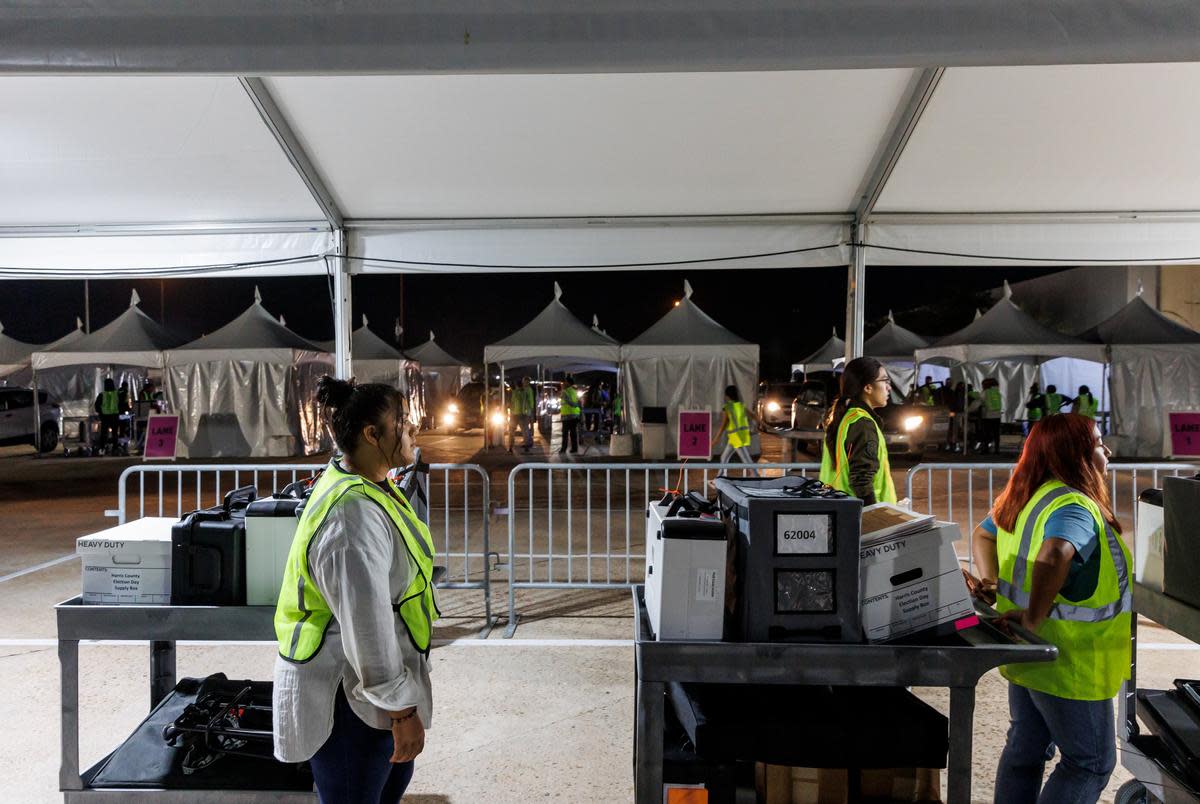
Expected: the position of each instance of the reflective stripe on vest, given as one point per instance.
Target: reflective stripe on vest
(570, 403)
(994, 401)
(302, 615)
(927, 395)
(522, 401)
(109, 405)
(835, 470)
(738, 432)
(1093, 636)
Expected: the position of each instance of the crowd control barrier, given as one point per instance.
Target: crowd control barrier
(583, 526)
(456, 504)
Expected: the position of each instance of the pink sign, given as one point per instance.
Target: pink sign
(162, 436)
(695, 434)
(1185, 433)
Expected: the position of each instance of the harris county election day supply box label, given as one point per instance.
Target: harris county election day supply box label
(912, 583)
(129, 564)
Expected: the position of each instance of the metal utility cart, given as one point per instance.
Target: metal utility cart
(1144, 755)
(958, 667)
(162, 627)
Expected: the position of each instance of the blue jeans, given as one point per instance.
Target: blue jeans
(352, 766)
(1085, 735)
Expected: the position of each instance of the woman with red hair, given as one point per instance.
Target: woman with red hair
(1052, 552)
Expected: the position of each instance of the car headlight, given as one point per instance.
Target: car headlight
(448, 419)
(497, 418)
(912, 423)
(452, 407)
(773, 407)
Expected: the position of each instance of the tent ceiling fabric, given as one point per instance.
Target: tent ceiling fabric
(90, 150)
(452, 147)
(1071, 138)
(544, 36)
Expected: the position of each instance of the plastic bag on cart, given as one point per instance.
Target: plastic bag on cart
(228, 756)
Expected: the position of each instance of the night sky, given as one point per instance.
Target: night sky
(789, 312)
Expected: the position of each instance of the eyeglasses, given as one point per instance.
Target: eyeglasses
(884, 378)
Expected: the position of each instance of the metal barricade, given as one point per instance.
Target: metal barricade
(969, 489)
(457, 499)
(583, 525)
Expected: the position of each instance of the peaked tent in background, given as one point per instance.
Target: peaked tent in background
(442, 374)
(1154, 368)
(894, 346)
(828, 356)
(684, 361)
(376, 360)
(557, 340)
(1006, 344)
(248, 390)
(14, 356)
(20, 372)
(126, 350)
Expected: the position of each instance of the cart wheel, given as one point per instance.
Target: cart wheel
(1132, 792)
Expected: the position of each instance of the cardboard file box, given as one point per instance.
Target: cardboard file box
(912, 583)
(129, 564)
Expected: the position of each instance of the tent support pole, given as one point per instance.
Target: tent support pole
(37, 416)
(341, 309)
(855, 302)
(487, 442)
(503, 409)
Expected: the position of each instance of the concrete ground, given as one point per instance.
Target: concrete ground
(548, 714)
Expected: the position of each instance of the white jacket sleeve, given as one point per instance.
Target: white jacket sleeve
(353, 565)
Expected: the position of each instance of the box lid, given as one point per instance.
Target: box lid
(148, 531)
(942, 533)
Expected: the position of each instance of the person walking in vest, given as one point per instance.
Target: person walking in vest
(854, 456)
(1035, 407)
(524, 409)
(356, 610)
(1054, 400)
(569, 410)
(108, 407)
(1052, 551)
(735, 424)
(618, 410)
(993, 410)
(1085, 404)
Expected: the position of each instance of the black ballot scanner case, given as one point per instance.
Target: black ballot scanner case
(796, 560)
(208, 553)
(1181, 537)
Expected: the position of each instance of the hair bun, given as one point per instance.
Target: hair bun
(334, 393)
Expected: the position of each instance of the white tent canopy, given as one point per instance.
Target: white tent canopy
(555, 338)
(827, 357)
(14, 354)
(685, 361)
(442, 374)
(131, 339)
(247, 390)
(1139, 324)
(617, 136)
(376, 360)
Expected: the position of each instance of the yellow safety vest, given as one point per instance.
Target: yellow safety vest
(993, 400)
(570, 402)
(1087, 407)
(738, 429)
(927, 395)
(1093, 635)
(1053, 404)
(618, 405)
(835, 470)
(302, 614)
(109, 405)
(522, 401)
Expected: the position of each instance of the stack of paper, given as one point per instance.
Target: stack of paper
(884, 521)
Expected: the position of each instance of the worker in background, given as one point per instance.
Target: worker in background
(956, 400)
(1085, 404)
(993, 410)
(523, 412)
(735, 425)
(356, 608)
(1035, 407)
(108, 407)
(570, 411)
(1054, 400)
(618, 409)
(604, 402)
(1052, 554)
(854, 456)
(927, 394)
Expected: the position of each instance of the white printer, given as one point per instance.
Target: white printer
(685, 570)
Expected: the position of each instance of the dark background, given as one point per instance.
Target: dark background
(789, 312)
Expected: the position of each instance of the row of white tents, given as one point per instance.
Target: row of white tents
(246, 390)
(684, 361)
(1138, 363)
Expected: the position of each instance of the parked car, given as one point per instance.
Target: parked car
(773, 407)
(464, 410)
(18, 424)
(907, 428)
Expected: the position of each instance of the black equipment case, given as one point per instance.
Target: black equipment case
(208, 553)
(1181, 534)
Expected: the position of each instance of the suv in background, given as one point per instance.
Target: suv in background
(17, 422)
(907, 428)
(773, 407)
